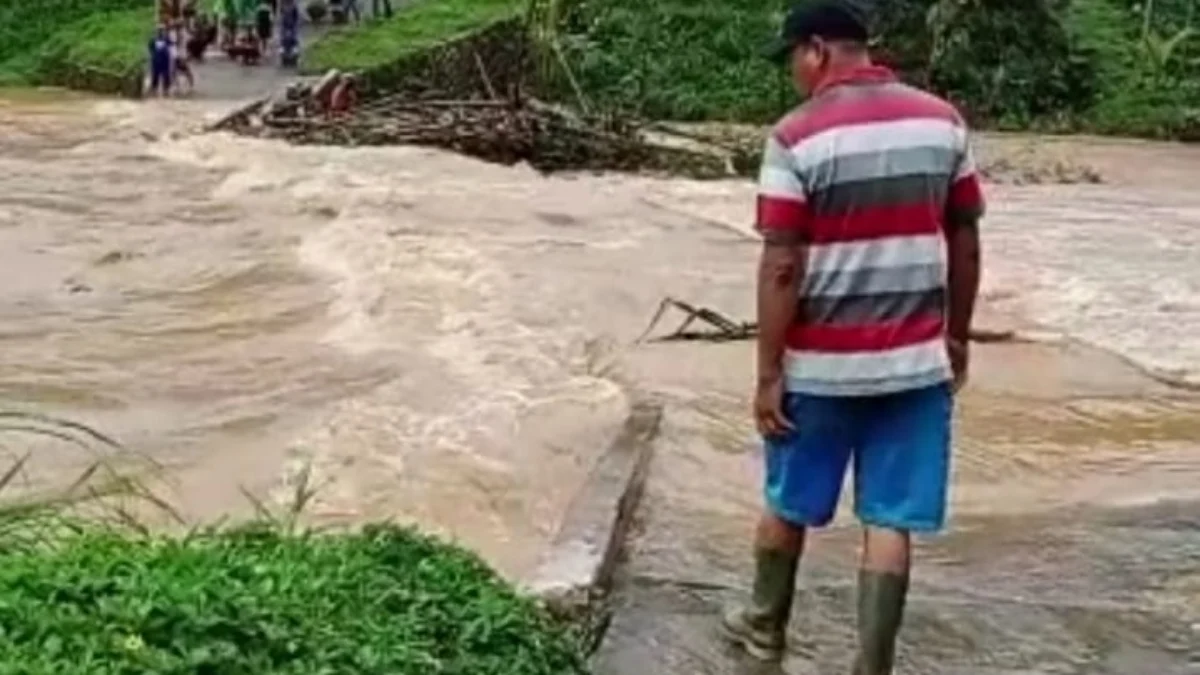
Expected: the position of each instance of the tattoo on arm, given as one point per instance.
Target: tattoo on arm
(779, 272)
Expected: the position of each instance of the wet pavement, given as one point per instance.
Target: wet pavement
(1077, 593)
(1056, 561)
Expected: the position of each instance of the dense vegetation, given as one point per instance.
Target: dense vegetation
(34, 34)
(102, 47)
(259, 600)
(1116, 66)
(1112, 66)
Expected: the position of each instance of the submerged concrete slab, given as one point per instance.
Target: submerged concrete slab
(1013, 604)
(1046, 568)
(581, 560)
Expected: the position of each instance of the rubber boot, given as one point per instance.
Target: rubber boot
(760, 625)
(881, 598)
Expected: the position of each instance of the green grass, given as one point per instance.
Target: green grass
(420, 25)
(103, 594)
(678, 59)
(27, 25)
(112, 42)
(256, 599)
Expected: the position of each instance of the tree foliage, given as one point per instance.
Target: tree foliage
(1115, 66)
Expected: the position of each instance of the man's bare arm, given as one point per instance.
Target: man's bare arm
(780, 269)
(964, 252)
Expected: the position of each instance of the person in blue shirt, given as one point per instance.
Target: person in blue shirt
(289, 33)
(160, 49)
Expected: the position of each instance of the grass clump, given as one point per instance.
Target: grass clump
(422, 25)
(384, 600)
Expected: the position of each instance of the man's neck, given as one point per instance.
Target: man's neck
(841, 67)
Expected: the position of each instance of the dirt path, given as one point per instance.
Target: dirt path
(220, 79)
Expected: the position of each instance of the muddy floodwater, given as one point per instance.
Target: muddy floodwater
(450, 343)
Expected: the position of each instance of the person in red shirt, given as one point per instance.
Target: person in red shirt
(868, 208)
(344, 97)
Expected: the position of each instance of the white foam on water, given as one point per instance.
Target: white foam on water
(448, 273)
(1113, 267)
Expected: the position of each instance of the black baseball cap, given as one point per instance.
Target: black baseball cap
(828, 19)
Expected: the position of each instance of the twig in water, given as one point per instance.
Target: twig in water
(724, 328)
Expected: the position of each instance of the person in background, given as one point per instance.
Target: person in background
(344, 97)
(170, 14)
(227, 13)
(204, 33)
(868, 206)
(352, 10)
(289, 33)
(160, 53)
(190, 12)
(264, 21)
(381, 8)
(181, 70)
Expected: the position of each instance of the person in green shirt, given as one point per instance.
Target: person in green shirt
(227, 11)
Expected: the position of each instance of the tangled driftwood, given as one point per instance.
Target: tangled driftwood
(502, 130)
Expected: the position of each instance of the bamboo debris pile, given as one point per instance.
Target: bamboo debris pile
(503, 130)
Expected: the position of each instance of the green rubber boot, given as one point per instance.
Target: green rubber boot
(759, 626)
(881, 598)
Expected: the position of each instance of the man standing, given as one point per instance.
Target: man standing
(160, 52)
(868, 206)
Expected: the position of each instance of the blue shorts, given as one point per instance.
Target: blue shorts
(901, 449)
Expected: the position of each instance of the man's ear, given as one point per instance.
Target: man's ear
(822, 48)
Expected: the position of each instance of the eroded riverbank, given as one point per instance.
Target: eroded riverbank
(449, 342)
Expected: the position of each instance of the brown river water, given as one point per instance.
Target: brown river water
(450, 343)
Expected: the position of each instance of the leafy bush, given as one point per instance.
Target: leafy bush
(1058, 64)
(258, 599)
(1008, 62)
(678, 59)
(1148, 57)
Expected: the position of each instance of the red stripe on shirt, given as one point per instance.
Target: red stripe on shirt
(876, 222)
(872, 337)
(782, 215)
(903, 104)
(966, 195)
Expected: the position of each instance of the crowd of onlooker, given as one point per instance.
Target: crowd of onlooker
(247, 31)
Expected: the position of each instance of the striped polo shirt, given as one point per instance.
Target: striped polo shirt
(867, 173)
